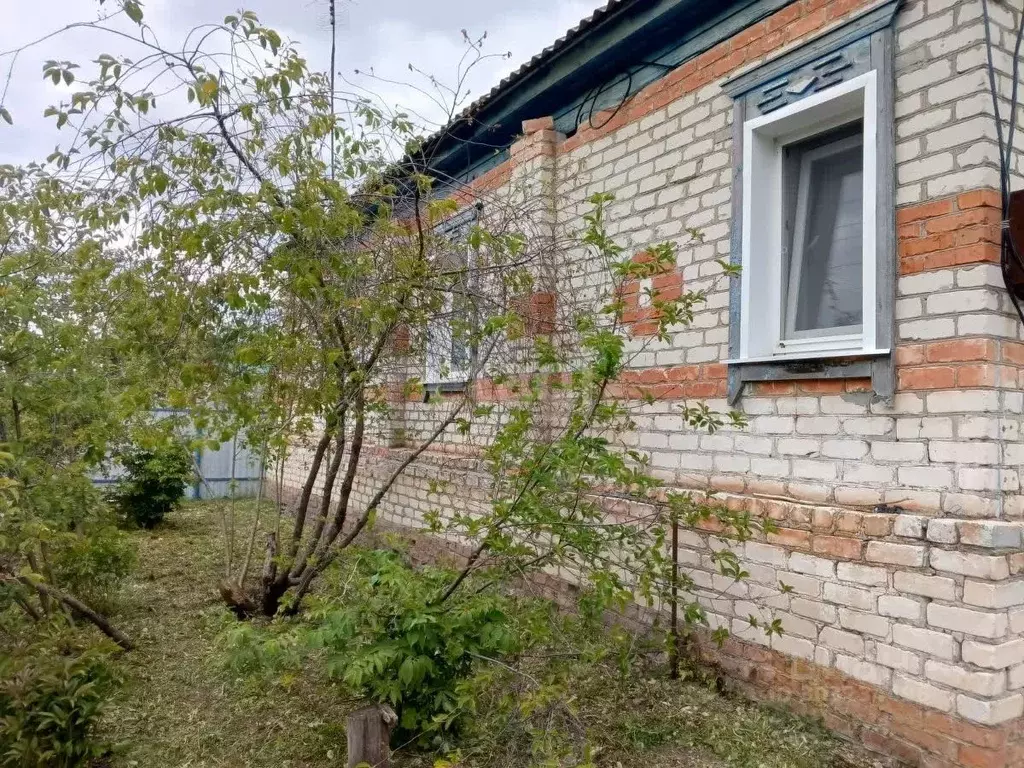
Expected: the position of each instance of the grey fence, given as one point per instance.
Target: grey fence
(231, 465)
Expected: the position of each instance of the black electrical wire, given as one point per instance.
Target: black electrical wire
(1008, 253)
(594, 94)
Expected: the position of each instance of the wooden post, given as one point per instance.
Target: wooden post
(673, 648)
(369, 736)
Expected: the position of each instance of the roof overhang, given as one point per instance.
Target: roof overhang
(621, 35)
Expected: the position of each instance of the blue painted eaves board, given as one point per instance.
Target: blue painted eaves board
(552, 83)
(692, 42)
(666, 31)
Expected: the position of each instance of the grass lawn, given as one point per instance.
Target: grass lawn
(179, 707)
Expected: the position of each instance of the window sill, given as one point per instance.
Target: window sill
(877, 365)
(441, 388)
(823, 354)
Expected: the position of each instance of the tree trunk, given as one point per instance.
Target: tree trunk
(79, 609)
(369, 736)
(272, 588)
(237, 599)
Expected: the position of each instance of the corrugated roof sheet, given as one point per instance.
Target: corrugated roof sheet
(562, 42)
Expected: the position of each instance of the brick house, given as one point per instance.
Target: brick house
(845, 153)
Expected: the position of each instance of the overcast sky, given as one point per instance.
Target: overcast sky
(385, 35)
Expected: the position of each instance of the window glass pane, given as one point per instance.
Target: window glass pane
(449, 353)
(825, 270)
(460, 354)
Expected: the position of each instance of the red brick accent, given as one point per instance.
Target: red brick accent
(401, 340)
(773, 388)
(542, 312)
(946, 233)
(680, 382)
(928, 377)
(809, 387)
(540, 140)
(493, 179)
(666, 286)
(838, 546)
(674, 383)
(1012, 352)
(537, 311)
(987, 376)
(792, 538)
(960, 350)
(540, 144)
(963, 363)
(913, 213)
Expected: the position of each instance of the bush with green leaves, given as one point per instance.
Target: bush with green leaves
(60, 546)
(53, 688)
(154, 482)
(95, 567)
(388, 639)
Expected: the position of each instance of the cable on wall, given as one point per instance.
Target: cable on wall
(589, 103)
(1011, 262)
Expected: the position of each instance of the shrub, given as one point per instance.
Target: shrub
(387, 639)
(51, 697)
(93, 566)
(154, 482)
(396, 644)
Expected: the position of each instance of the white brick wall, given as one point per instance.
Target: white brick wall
(932, 611)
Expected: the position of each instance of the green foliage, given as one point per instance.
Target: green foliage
(153, 483)
(568, 492)
(387, 639)
(269, 264)
(70, 386)
(53, 690)
(61, 532)
(277, 254)
(93, 567)
(258, 652)
(396, 646)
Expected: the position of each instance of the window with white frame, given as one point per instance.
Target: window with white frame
(809, 226)
(449, 353)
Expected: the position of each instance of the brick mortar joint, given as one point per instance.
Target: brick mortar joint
(467, 460)
(780, 675)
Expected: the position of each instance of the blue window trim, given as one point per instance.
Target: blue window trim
(757, 91)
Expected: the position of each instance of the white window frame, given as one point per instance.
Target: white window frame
(437, 369)
(762, 336)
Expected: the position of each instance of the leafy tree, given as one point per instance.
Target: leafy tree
(294, 260)
(277, 289)
(66, 394)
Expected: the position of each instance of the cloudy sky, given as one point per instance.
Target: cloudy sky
(382, 35)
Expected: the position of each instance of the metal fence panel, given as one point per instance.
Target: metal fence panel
(233, 463)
